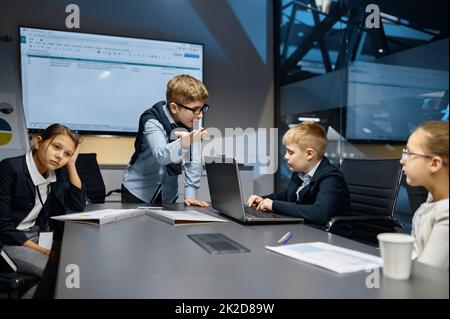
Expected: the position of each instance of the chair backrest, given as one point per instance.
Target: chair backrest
(373, 186)
(91, 177)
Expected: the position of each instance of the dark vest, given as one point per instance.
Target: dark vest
(156, 112)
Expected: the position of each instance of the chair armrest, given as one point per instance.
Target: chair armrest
(350, 219)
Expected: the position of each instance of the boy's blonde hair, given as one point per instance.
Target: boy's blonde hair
(436, 141)
(185, 89)
(307, 135)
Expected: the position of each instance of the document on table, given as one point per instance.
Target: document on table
(100, 217)
(183, 217)
(331, 257)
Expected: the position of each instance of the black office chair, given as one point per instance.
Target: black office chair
(373, 186)
(91, 177)
(89, 172)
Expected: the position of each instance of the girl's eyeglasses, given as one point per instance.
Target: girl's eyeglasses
(407, 154)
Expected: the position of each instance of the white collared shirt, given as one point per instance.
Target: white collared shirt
(42, 185)
(306, 178)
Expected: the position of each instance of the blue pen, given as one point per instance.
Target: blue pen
(283, 240)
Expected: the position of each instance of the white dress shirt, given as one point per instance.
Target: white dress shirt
(42, 186)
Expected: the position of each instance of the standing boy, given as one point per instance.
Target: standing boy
(152, 174)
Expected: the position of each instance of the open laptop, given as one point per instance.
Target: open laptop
(226, 196)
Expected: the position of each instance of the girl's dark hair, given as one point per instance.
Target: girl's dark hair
(58, 129)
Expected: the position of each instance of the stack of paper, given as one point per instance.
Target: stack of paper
(183, 217)
(334, 258)
(100, 217)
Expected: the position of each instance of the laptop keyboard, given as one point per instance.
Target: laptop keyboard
(251, 212)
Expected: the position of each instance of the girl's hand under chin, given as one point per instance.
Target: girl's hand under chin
(73, 158)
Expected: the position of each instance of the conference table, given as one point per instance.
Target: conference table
(143, 257)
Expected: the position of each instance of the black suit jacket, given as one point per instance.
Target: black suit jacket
(18, 195)
(324, 197)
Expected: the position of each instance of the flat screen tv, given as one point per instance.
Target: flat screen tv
(95, 83)
(386, 103)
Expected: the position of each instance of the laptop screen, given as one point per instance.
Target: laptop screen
(224, 188)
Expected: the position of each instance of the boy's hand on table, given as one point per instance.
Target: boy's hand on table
(195, 202)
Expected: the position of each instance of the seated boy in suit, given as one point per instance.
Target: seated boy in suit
(317, 190)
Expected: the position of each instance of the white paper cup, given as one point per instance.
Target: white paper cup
(396, 251)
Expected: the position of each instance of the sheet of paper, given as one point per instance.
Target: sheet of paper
(46, 240)
(331, 257)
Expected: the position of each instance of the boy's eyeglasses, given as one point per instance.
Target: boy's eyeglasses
(407, 154)
(197, 110)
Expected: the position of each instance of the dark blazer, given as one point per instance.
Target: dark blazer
(324, 197)
(18, 194)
